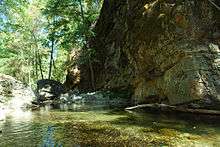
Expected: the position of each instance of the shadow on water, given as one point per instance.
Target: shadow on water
(106, 125)
(182, 122)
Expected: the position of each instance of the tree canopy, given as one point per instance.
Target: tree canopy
(38, 33)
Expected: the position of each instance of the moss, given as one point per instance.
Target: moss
(168, 132)
(108, 128)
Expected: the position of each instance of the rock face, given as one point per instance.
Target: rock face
(164, 50)
(14, 93)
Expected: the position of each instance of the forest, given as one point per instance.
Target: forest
(109, 73)
(38, 36)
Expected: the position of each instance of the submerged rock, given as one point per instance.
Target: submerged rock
(166, 52)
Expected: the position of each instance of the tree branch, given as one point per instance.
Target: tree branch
(214, 4)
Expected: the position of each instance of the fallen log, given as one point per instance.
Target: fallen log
(169, 108)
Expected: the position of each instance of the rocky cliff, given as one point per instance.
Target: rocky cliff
(163, 50)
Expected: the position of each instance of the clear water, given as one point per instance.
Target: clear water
(92, 125)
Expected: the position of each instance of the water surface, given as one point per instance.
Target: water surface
(94, 125)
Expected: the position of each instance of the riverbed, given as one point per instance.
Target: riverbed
(92, 125)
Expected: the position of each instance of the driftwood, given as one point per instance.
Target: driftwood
(168, 108)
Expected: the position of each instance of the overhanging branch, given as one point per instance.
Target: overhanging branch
(214, 4)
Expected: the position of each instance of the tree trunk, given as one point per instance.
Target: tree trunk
(51, 59)
(37, 58)
(86, 48)
(40, 65)
(36, 62)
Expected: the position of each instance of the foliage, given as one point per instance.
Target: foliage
(28, 27)
(72, 20)
(60, 65)
(23, 38)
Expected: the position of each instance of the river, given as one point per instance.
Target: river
(94, 125)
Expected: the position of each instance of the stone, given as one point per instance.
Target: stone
(169, 59)
(214, 48)
(17, 92)
(49, 90)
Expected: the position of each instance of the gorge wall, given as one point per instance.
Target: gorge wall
(161, 50)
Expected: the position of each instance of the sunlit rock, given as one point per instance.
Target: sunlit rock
(161, 51)
(14, 94)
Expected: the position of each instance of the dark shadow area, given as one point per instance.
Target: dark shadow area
(181, 122)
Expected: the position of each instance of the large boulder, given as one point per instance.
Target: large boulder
(166, 51)
(14, 93)
(49, 90)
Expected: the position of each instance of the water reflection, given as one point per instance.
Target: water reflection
(20, 115)
(98, 125)
(17, 114)
(48, 140)
(2, 113)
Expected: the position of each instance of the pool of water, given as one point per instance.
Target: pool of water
(92, 125)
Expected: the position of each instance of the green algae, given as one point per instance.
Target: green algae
(105, 128)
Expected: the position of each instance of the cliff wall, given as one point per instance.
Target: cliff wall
(162, 50)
